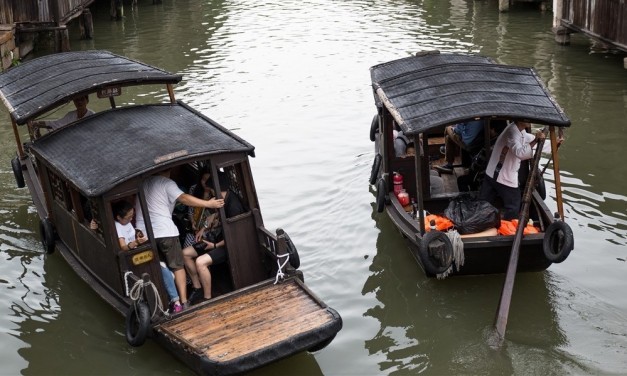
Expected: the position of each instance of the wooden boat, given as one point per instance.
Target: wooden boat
(261, 310)
(420, 95)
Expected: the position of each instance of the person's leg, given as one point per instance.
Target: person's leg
(171, 248)
(487, 191)
(511, 201)
(451, 148)
(168, 281)
(189, 254)
(202, 265)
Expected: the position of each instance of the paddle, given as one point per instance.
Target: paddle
(508, 287)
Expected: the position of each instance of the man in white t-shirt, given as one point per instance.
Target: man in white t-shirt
(161, 195)
(501, 175)
(81, 111)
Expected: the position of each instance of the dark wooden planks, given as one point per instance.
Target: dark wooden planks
(246, 323)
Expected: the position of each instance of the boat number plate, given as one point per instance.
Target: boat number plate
(142, 257)
(110, 92)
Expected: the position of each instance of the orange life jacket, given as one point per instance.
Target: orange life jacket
(509, 228)
(441, 223)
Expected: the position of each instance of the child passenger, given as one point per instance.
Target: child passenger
(123, 213)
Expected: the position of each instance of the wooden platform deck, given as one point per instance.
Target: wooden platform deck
(245, 323)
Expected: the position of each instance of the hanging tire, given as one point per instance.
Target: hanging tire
(436, 252)
(540, 186)
(381, 192)
(376, 164)
(137, 323)
(46, 231)
(558, 242)
(293, 252)
(16, 165)
(294, 259)
(374, 127)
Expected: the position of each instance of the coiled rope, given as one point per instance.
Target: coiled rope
(137, 292)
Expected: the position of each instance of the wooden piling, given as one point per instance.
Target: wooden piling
(117, 10)
(86, 24)
(503, 5)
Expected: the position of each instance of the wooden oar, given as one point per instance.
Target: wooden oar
(508, 287)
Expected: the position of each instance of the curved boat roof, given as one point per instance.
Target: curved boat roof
(103, 150)
(431, 90)
(38, 85)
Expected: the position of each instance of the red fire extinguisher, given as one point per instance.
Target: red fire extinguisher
(398, 183)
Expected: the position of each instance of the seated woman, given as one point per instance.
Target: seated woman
(210, 247)
(130, 238)
(198, 216)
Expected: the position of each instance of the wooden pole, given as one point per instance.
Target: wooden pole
(556, 174)
(508, 286)
(88, 24)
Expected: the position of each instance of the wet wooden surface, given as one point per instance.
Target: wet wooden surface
(241, 324)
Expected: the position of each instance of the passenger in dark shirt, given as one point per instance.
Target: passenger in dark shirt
(210, 248)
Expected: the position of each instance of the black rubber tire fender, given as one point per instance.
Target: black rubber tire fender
(381, 192)
(558, 242)
(435, 265)
(137, 323)
(46, 231)
(376, 165)
(374, 127)
(541, 188)
(16, 165)
(293, 252)
(294, 259)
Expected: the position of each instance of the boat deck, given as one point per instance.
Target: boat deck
(246, 323)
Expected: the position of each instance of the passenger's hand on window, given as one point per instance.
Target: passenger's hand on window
(141, 240)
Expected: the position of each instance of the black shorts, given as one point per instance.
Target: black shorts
(171, 249)
(218, 255)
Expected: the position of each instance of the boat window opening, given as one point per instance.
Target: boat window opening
(115, 206)
(58, 188)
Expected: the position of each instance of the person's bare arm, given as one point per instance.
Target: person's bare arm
(190, 200)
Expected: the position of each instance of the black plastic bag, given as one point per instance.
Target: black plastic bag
(471, 215)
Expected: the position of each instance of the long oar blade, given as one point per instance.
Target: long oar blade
(506, 295)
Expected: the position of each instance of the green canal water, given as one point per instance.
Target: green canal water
(292, 78)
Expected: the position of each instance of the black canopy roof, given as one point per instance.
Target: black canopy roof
(103, 150)
(41, 84)
(428, 91)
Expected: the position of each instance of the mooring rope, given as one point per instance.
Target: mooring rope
(137, 291)
(279, 273)
(458, 253)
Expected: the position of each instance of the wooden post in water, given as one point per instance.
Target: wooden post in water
(86, 24)
(503, 5)
(117, 10)
(62, 39)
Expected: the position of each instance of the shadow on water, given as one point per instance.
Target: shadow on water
(445, 326)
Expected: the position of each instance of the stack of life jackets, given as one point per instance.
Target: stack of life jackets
(509, 228)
